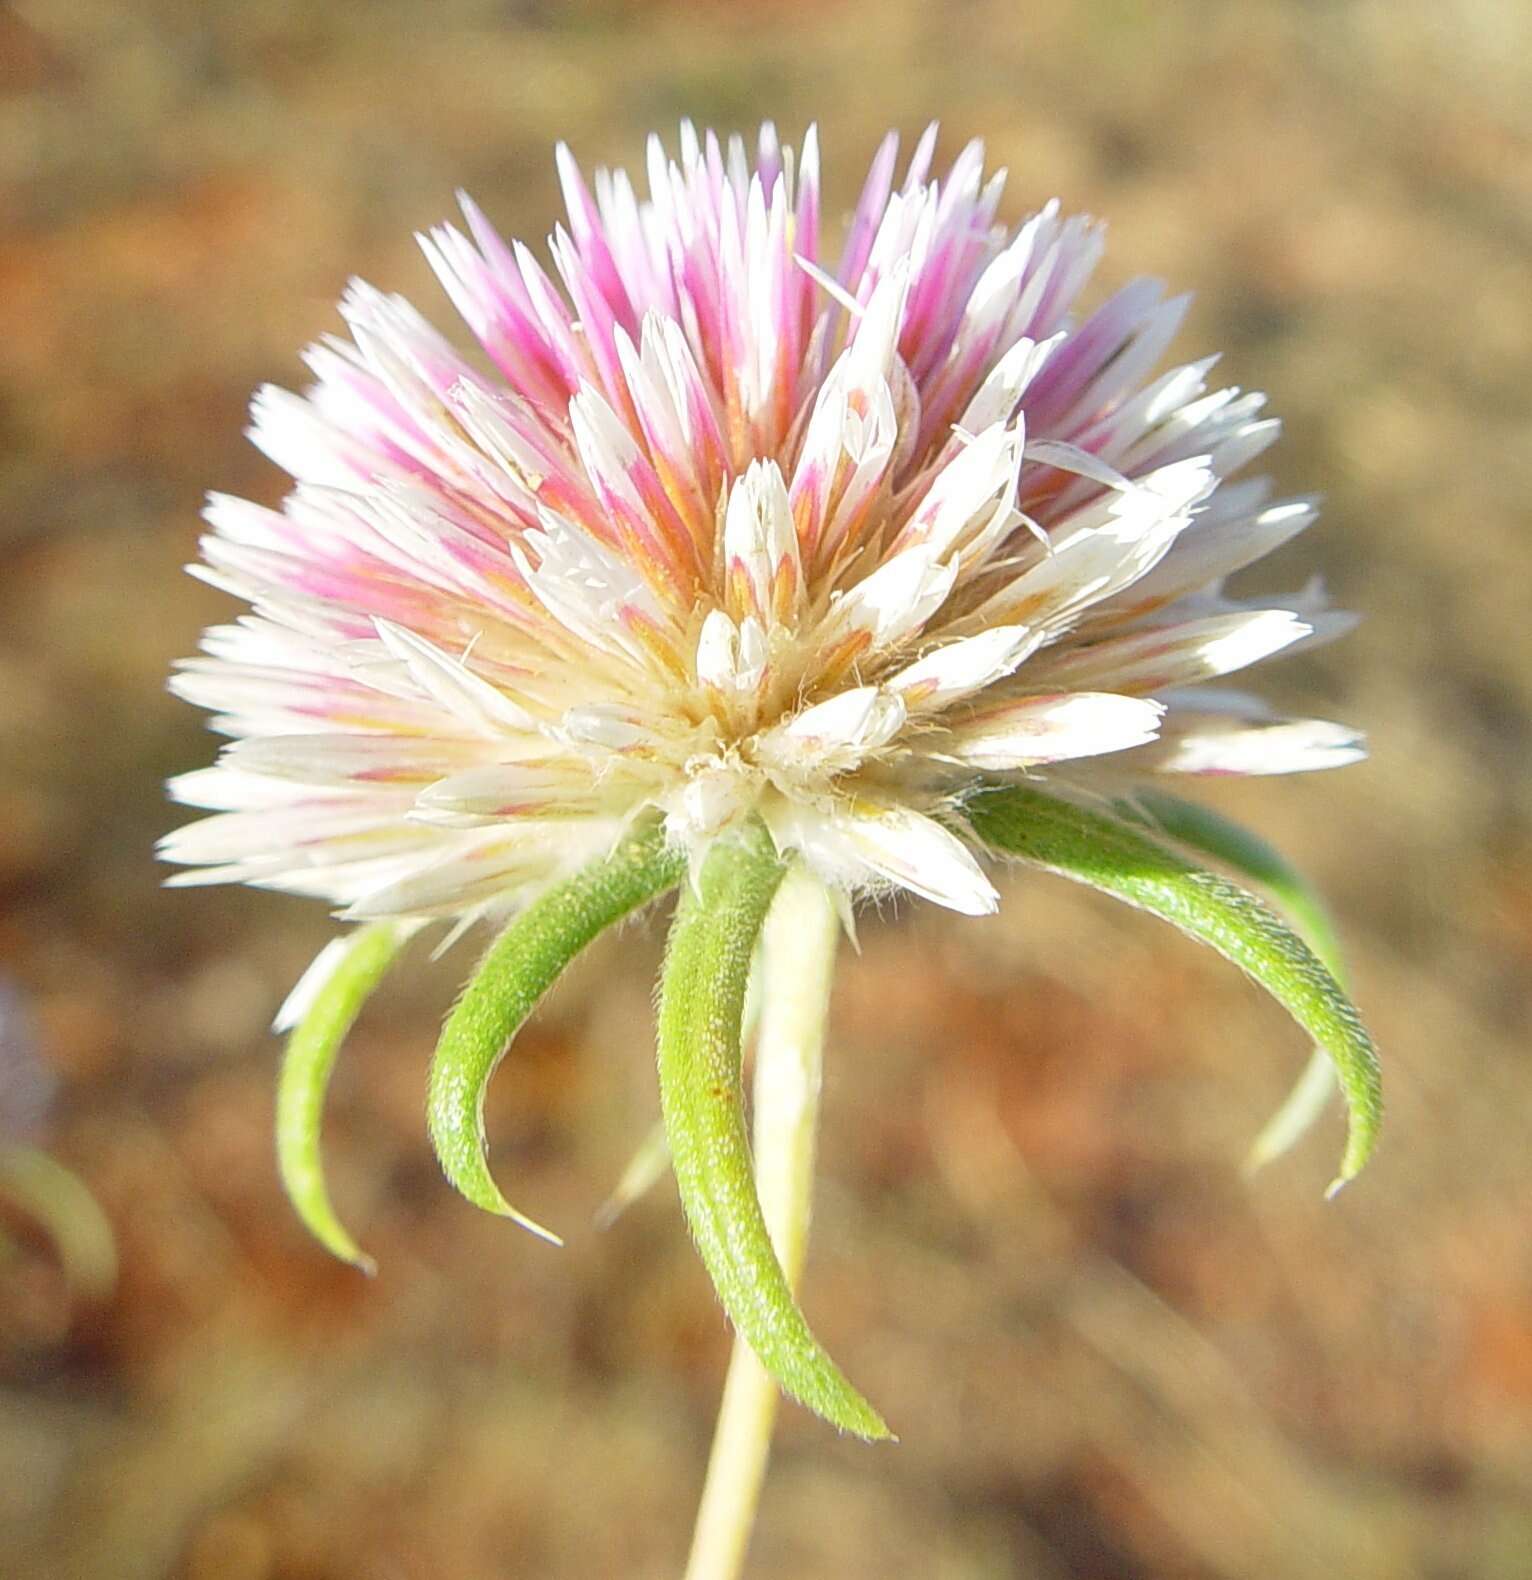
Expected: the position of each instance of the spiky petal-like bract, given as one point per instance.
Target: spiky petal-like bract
(735, 526)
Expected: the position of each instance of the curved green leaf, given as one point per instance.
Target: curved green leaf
(1201, 829)
(63, 1205)
(702, 998)
(332, 992)
(521, 966)
(1110, 855)
(650, 1163)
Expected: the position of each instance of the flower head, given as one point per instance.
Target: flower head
(729, 524)
(744, 560)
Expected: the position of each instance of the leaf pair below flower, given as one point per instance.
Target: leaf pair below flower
(701, 1010)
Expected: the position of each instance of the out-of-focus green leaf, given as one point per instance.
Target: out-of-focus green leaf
(325, 1005)
(62, 1204)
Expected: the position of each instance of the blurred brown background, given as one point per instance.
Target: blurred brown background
(1108, 1357)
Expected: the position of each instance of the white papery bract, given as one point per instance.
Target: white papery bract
(723, 523)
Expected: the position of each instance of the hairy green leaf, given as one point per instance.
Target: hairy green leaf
(702, 1000)
(1202, 829)
(334, 990)
(521, 966)
(1113, 856)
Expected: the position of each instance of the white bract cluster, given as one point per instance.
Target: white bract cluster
(732, 529)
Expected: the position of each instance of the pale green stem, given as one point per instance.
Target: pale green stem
(797, 964)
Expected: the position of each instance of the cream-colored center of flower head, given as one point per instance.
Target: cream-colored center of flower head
(818, 637)
(776, 668)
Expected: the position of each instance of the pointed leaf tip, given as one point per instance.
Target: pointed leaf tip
(1117, 858)
(321, 1010)
(521, 965)
(702, 1001)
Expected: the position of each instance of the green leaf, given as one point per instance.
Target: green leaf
(702, 1000)
(1110, 855)
(1201, 829)
(521, 966)
(62, 1204)
(650, 1163)
(335, 987)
